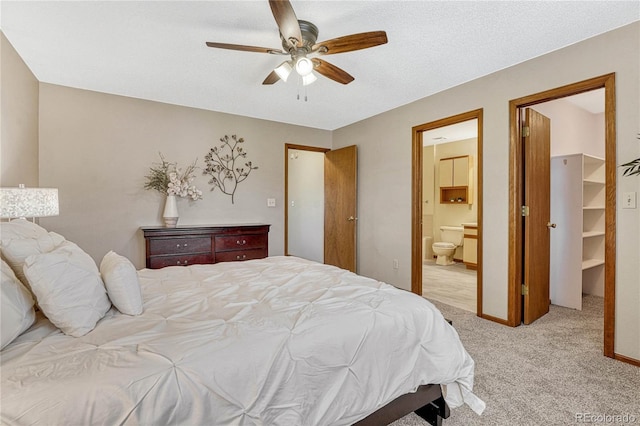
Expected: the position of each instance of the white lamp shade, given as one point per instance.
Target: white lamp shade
(308, 79)
(28, 202)
(283, 70)
(304, 66)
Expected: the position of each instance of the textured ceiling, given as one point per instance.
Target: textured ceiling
(156, 50)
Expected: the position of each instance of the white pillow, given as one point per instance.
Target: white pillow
(68, 288)
(16, 250)
(20, 228)
(16, 310)
(121, 279)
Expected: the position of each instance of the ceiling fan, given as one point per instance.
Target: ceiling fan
(299, 41)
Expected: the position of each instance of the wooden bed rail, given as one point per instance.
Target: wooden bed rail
(427, 402)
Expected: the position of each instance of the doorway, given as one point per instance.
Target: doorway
(526, 281)
(304, 199)
(450, 213)
(321, 199)
(418, 199)
(577, 199)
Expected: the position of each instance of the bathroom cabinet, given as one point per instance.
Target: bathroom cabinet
(455, 180)
(470, 246)
(577, 242)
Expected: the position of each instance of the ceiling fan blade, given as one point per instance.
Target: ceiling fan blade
(351, 42)
(244, 48)
(331, 71)
(287, 21)
(271, 78)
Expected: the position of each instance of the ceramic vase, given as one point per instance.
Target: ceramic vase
(170, 214)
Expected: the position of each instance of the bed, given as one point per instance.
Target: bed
(275, 341)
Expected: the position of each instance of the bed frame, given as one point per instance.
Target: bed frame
(427, 402)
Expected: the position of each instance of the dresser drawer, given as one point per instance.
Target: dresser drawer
(236, 255)
(156, 262)
(240, 242)
(179, 245)
(200, 244)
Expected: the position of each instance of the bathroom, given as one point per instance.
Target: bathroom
(450, 205)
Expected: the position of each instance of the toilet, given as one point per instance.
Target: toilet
(451, 237)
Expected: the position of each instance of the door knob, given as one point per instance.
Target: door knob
(551, 225)
(351, 218)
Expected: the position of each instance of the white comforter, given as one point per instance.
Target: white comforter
(276, 341)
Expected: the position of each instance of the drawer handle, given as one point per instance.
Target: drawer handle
(241, 243)
(243, 257)
(181, 263)
(178, 245)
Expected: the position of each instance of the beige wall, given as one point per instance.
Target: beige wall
(18, 120)
(306, 204)
(384, 195)
(573, 130)
(429, 199)
(96, 148)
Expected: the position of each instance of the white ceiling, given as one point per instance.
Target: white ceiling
(156, 50)
(451, 133)
(592, 101)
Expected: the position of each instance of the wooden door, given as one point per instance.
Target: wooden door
(537, 188)
(340, 215)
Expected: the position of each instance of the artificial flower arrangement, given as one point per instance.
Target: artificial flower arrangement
(168, 179)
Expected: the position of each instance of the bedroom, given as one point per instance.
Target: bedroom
(96, 147)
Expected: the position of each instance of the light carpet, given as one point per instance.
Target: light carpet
(551, 372)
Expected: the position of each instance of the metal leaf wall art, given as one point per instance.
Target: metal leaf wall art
(221, 165)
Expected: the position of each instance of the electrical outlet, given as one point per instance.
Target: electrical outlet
(396, 264)
(629, 200)
(271, 202)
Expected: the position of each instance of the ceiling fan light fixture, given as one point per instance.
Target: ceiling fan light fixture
(308, 79)
(299, 40)
(284, 70)
(304, 66)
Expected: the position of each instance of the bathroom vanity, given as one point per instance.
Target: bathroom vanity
(470, 246)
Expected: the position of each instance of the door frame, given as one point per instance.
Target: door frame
(416, 197)
(516, 190)
(287, 147)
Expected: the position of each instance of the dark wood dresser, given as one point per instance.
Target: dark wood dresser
(186, 245)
